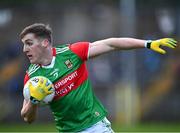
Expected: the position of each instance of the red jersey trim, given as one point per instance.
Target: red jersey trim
(26, 78)
(81, 49)
(70, 82)
(54, 51)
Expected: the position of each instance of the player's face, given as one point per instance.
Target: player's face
(33, 48)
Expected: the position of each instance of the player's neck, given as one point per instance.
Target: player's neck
(47, 58)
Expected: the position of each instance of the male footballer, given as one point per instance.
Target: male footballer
(75, 107)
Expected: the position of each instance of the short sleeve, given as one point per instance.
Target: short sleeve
(26, 78)
(81, 49)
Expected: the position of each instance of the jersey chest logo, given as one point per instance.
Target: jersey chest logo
(54, 73)
(70, 82)
(68, 63)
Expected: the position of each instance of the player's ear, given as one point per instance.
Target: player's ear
(45, 42)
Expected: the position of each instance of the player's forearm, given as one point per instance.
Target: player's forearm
(125, 43)
(103, 46)
(29, 111)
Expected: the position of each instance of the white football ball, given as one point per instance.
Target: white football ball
(34, 82)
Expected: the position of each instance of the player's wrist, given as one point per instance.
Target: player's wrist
(147, 44)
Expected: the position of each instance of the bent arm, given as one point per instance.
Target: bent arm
(28, 111)
(107, 45)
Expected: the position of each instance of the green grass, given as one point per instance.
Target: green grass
(27, 127)
(151, 127)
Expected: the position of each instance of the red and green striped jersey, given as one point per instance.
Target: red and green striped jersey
(75, 107)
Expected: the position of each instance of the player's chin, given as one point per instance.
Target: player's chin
(33, 61)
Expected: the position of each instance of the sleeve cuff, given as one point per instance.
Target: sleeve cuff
(147, 44)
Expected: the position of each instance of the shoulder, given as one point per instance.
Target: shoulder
(81, 49)
(62, 48)
(32, 68)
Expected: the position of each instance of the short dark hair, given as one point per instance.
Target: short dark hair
(39, 30)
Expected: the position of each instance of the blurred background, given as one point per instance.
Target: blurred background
(139, 88)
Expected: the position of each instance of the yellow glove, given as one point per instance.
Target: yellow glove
(39, 92)
(155, 45)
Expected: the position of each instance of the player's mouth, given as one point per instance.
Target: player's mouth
(29, 56)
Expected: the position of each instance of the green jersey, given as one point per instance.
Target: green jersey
(74, 106)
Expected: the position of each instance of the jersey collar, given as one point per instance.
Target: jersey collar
(51, 65)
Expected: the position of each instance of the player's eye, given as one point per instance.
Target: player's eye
(29, 43)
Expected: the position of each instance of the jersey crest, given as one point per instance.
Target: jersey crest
(68, 63)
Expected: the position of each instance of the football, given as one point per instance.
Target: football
(34, 82)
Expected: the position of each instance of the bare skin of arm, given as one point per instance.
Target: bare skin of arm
(29, 111)
(107, 45)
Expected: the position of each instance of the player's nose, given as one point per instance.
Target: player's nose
(25, 48)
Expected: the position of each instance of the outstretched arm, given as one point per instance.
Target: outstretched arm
(111, 44)
(28, 111)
